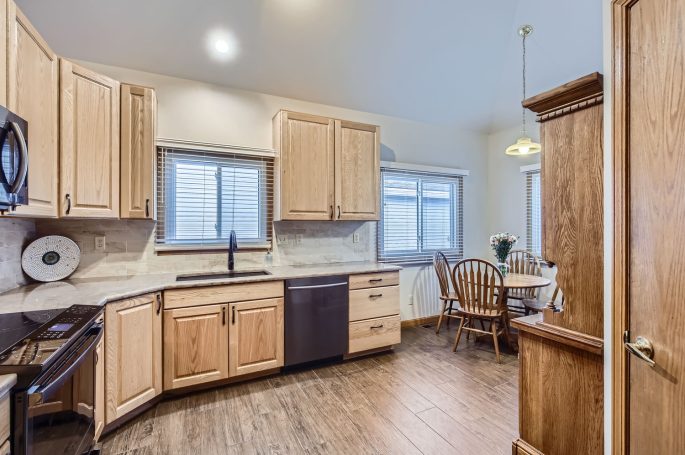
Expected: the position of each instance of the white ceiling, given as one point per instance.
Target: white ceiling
(451, 62)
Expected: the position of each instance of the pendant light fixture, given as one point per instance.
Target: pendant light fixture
(524, 145)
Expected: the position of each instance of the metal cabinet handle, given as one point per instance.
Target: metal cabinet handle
(147, 208)
(642, 348)
(375, 280)
(68, 203)
(159, 303)
(375, 296)
(332, 212)
(338, 212)
(377, 326)
(23, 158)
(233, 316)
(223, 315)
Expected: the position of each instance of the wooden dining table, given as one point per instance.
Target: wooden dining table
(520, 281)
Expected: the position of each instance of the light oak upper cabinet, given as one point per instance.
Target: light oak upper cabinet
(357, 171)
(195, 345)
(33, 93)
(328, 169)
(306, 165)
(255, 336)
(89, 132)
(138, 108)
(133, 351)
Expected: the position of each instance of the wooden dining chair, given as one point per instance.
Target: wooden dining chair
(524, 263)
(479, 287)
(536, 305)
(447, 296)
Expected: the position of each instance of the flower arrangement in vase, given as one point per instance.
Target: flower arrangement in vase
(502, 243)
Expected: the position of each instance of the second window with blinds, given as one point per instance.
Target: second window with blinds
(421, 213)
(533, 212)
(203, 195)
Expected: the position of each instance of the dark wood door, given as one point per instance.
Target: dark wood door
(650, 143)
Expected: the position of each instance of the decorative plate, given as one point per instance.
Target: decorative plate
(51, 258)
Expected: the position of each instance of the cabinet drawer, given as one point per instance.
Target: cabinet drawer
(372, 280)
(209, 295)
(374, 333)
(374, 302)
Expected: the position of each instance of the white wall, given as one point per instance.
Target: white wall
(191, 110)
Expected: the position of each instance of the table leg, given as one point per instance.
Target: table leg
(513, 346)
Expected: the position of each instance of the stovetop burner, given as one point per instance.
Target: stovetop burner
(14, 327)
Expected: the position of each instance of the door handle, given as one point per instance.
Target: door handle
(642, 348)
(68, 203)
(223, 315)
(159, 303)
(332, 212)
(233, 316)
(147, 208)
(23, 160)
(338, 212)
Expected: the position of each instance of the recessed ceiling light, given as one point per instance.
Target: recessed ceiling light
(222, 45)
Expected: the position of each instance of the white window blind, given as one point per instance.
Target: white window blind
(203, 195)
(533, 213)
(421, 213)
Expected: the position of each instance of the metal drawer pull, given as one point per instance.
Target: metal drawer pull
(375, 296)
(376, 280)
(377, 326)
(68, 203)
(147, 208)
(223, 315)
(233, 316)
(316, 286)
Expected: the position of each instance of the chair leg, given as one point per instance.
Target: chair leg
(442, 314)
(493, 327)
(468, 332)
(450, 313)
(482, 325)
(456, 339)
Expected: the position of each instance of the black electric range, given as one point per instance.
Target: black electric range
(53, 355)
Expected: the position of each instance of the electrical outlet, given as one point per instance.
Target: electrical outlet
(298, 239)
(411, 299)
(282, 239)
(355, 237)
(100, 243)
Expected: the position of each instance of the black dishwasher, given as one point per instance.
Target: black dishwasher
(316, 318)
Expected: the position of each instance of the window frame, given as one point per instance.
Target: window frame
(166, 201)
(424, 174)
(532, 172)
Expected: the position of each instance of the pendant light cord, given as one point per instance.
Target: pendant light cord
(523, 109)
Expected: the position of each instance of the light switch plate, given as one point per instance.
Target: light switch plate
(355, 237)
(282, 239)
(100, 244)
(298, 239)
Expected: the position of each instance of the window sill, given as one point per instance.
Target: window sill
(208, 249)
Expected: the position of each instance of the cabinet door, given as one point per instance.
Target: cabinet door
(357, 171)
(89, 133)
(195, 345)
(99, 388)
(256, 336)
(133, 353)
(137, 152)
(307, 162)
(32, 93)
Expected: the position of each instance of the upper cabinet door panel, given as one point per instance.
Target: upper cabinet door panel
(306, 167)
(32, 93)
(357, 171)
(89, 127)
(137, 152)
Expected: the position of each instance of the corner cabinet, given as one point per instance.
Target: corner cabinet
(255, 337)
(328, 169)
(89, 152)
(133, 353)
(138, 126)
(32, 92)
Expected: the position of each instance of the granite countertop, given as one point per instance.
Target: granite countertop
(98, 291)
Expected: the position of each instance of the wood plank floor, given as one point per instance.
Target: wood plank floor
(421, 399)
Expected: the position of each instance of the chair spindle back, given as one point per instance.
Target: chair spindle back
(479, 286)
(442, 270)
(525, 263)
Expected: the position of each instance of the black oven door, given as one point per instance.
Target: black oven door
(56, 414)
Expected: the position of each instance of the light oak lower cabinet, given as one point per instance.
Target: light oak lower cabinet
(89, 143)
(255, 336)
(195, 345)
(133, 353)
(374, 311)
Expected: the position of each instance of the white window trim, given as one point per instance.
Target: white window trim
(530, 168)
(213, 147)
(423, 168)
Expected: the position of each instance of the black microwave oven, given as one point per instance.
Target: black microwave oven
(14, 160)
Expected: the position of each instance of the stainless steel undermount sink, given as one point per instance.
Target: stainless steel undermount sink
(220, 275)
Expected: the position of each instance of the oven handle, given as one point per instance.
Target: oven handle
(55, 384)
(24, 160)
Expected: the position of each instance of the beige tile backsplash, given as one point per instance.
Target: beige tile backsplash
(130, 246)
(15, 234)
